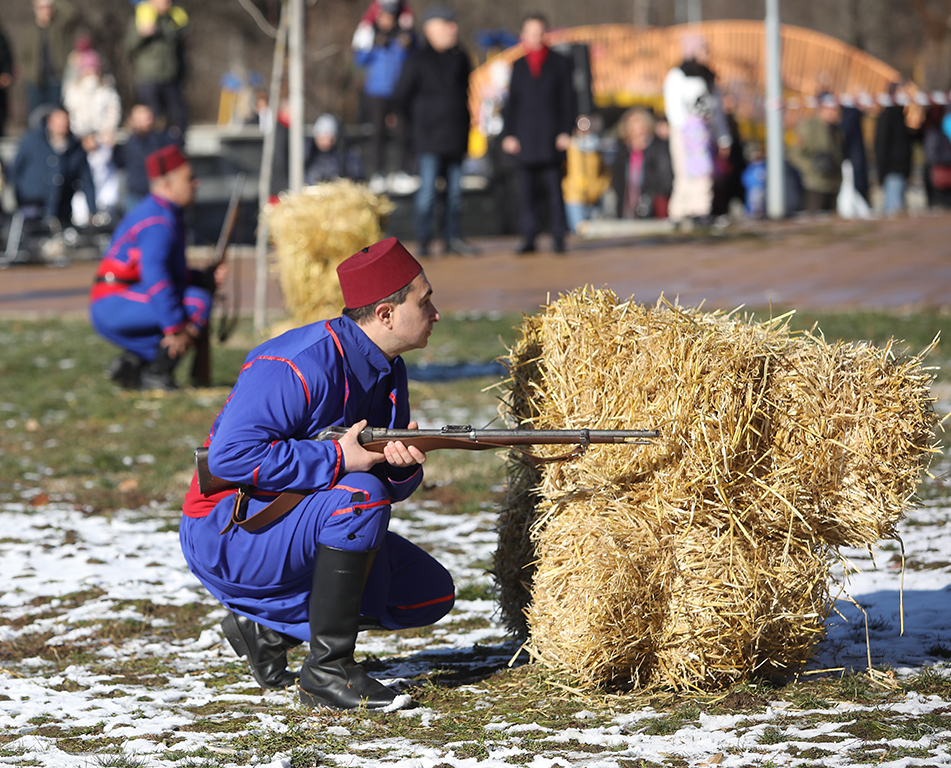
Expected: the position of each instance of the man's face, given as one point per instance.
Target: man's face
(43, 10)
(385, 21)
(441, 34)
(533, 35)
(638, 132)
(180, 185)
(413, 319)
(58, 124)
(141, 119)
(830, 113)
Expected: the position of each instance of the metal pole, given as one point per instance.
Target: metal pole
(295, 83)
(775, 161)
(264, 178)
(694, 11)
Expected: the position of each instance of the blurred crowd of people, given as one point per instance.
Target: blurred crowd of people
(67, 165)
(687, 163)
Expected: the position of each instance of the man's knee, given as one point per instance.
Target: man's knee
(360, 514)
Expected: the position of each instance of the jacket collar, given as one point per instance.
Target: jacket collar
(368, 363)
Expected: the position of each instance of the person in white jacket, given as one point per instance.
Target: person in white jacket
(698, 132)
(95, 112)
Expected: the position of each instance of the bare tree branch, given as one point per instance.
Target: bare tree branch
(258, 17)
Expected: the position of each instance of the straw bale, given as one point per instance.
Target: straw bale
(600, 593)
(737, 609)
(313, 231)
(776, 448)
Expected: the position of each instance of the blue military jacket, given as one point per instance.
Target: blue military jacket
(289, 389)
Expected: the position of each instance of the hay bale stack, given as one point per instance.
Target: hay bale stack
(703, 559)
(313, 231)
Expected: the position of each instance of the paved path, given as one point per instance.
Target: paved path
(817, 264)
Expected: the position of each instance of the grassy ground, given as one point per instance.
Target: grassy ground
(69, 435)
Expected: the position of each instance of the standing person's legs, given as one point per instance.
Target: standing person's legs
(818, 202)
(893, 187)
(453, 176)
(404, 140)
(3, 109)
(556, 204)
(150, 95)
(426, 200)
(175, 108)
(528, 224)
(376, 111)
(675, 206)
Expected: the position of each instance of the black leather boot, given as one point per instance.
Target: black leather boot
(330, 677)
(265, 649)
(159, 374)
(126, 370)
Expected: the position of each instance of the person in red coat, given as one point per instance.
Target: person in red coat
(539, 116)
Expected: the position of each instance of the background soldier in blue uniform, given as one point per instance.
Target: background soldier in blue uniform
(301, 575)
(145, 299)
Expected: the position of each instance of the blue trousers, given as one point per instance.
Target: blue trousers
(267, 574)
(134, 325)
(431, 167)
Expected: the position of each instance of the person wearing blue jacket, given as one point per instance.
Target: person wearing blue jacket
(50, 166)
(382, 57)
(145, 299)
(302, 552)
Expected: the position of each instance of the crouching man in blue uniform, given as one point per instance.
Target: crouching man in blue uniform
(321, 567)
(145, 299)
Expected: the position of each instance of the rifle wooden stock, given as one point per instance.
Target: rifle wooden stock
(453, 437)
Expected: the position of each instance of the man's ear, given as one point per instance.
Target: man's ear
(384, 313)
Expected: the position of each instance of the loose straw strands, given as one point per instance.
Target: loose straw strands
(313, 231)
(703, 559)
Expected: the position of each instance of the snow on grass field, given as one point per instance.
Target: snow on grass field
(112, 657)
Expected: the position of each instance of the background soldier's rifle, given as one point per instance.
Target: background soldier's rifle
(459, 438)
(201, 363)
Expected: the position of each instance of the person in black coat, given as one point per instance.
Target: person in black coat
(538, 118)
(433, 91)
(6, 78)
(143, 141)
(893, 140)
(50, 166)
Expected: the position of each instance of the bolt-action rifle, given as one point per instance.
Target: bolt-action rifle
(456, 437)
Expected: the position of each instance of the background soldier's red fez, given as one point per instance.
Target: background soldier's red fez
(376, 272)
(164, 160)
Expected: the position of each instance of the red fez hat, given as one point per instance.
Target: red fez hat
(376, 272)
(164, 160)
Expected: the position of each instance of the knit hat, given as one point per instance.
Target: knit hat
(376, 272)
(326, 125)
(439, 12)
(164, 160)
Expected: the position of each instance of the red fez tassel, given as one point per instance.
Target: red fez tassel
(164, 160)
(376, 272)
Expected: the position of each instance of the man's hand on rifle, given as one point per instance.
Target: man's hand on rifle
(357, 459)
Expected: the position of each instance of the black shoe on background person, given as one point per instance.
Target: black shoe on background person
(559, 245)
(525, 248)
(264, 648)
(160, 373)
(126, 370)
(459, 246)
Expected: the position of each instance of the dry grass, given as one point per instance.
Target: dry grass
(313, 231)
(703, 560)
